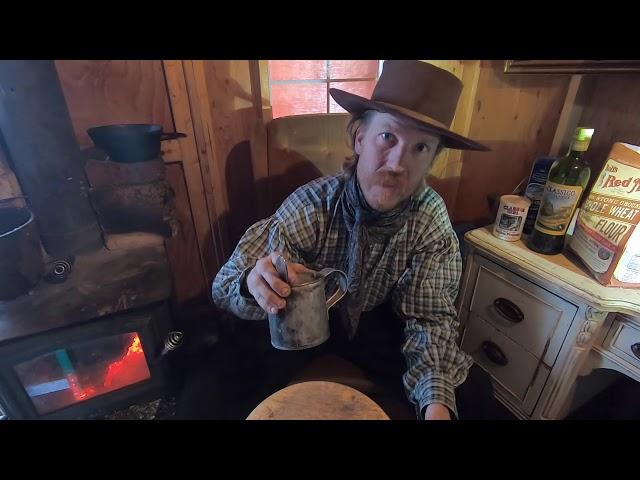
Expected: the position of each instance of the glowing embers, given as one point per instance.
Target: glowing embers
(83, 371)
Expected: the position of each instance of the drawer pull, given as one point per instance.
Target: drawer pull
(635, 349)
(494, 353)
(508, 310)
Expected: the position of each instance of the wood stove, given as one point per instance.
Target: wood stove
(89, 336)
(92, 342)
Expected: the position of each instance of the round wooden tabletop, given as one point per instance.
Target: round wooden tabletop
(318, 401)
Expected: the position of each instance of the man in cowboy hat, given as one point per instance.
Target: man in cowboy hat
(380, 223)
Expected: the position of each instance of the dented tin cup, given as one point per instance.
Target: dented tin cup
(304, 322)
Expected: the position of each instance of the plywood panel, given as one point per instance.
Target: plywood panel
(445, 173)
(189, 283)
(185, 151)
(100, 92)
(230, 127)
(516, 116)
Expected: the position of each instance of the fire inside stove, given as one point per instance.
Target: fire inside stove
(83, 371)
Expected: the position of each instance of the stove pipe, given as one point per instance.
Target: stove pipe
(40, 141)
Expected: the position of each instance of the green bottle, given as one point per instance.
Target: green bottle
(567, 181)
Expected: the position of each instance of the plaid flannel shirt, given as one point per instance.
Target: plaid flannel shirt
(418, 268)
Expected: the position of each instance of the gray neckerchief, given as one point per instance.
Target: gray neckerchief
(364, 224)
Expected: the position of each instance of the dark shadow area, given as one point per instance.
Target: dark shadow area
(619, 401)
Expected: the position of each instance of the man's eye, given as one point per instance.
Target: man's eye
(386, 136)
(423, 147)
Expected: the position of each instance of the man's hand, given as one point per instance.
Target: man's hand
(263, 282)
(437, 411)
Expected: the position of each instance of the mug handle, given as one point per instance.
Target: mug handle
(342, 285)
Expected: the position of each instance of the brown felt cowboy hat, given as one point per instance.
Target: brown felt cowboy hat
(417, 90)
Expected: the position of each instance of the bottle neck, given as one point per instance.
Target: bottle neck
(575, 155)
(577, 151)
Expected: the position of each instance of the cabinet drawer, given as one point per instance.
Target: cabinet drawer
(515, 369)
(529, 315)
(623, 341)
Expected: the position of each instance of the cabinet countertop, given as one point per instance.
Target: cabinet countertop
(564, 270)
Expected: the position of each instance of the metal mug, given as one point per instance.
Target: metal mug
(304, 322)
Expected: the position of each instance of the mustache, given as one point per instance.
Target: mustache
(387, 176)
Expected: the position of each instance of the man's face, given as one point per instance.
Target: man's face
(394, 157)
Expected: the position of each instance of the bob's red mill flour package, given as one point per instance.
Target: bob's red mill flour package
(606, 237)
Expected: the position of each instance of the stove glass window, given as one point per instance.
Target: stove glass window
(82, 371)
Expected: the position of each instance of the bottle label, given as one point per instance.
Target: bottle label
(534, 192)
(580, 145)
(557, 207)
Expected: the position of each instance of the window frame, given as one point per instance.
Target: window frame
(327, 81)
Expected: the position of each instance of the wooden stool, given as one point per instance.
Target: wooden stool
(318, 401)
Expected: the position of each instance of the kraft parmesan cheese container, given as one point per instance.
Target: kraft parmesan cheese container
(606, 236)
(511, 216)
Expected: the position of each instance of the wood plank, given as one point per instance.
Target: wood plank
(444, 176)
(186, 150)
(265, 85)
(256, 87)
(258, 140)
(516, 116)
(230, 117)
(100, 92)
(199, 104)
(612, 107)
(189, 281)
(571, 113)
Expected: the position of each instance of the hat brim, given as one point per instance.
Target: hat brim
(356, 104)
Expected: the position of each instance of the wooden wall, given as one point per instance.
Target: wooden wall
(211, 171)
(233, 116)
(516, 116)
(612, 107)
(217, 172)
(445, 173)
(102, 92)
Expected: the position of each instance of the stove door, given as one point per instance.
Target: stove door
(80, 371)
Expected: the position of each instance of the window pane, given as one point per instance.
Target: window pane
(364, 89)
(353, 68)
(297, 69)
(298, 99)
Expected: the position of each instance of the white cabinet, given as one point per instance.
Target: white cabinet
(623, 341)
(536, 322)
(531, 316)
(518, 372)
